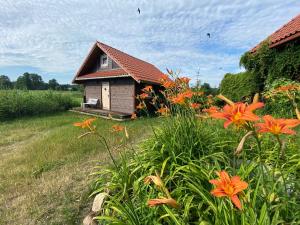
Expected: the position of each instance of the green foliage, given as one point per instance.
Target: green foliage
(30, 81)
(239, 86)
(281, 103)
(17, 103)
(271, 64)
(186, 153)
(5, 82)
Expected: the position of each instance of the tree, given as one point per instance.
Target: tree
(53, 84)
(5, 82)
(30, 81)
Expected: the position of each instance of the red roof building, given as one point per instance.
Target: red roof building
(113, 78)
(285, 34)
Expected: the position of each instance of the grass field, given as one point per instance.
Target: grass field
(44, 176)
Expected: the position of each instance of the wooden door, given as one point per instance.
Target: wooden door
(105, 95)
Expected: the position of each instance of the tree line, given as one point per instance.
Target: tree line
(33, 81)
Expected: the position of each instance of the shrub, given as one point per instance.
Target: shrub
(17, 103)
(282, 96)
(271, 64)
(239, 86)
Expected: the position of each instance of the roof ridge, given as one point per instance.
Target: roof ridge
(99, 42)
(286, 24)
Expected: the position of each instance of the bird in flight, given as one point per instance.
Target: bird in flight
(208, 35)
(139, 11)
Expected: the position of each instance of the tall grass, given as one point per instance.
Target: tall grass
(18, 103)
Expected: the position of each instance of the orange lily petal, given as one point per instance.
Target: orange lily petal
(236, 201)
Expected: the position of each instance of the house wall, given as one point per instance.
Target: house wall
(122, 95)
(93, 89)
(110, 65)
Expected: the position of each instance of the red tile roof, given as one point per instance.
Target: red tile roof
(287, 32)
(103, 74)
(138, 69)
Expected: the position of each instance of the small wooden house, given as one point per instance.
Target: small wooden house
(114, 78)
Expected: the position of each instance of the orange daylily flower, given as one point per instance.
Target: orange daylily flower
(140, 106)
(184, 80)
(181, 97)
(290, 87)
(212, 109)
(228, 186)
(195, 105)
(143, 95)
(148, 88)
(133, 116)
(168, 84)
(238, 113)
(277, 126)
(163, 111)
(117, 128)
(163, 201)
(86, 123)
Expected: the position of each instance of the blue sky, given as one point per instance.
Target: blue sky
(52, 37)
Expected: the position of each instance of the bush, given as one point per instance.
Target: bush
(17, 103)
(239, 86)
(271, 64)
(282, 102)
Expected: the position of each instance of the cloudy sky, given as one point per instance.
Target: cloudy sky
(52, 37)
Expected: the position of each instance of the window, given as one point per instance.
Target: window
(103, 61)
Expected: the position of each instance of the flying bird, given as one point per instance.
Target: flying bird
(208, 35)
(139, 11)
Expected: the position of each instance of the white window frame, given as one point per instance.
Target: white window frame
(102, 65)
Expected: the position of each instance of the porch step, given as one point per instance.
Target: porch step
(102, 113)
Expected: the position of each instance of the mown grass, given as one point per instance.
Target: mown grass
(44, 176)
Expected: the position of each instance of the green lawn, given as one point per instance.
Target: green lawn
(44, 176)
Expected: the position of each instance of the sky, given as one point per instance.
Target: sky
(53, 37)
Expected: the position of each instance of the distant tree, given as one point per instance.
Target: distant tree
(208, 89)
(5, 82)
(53, 84)
(30, 81)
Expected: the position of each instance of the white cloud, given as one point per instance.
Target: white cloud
(55, 36)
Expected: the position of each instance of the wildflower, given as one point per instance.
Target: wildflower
(133, 116)
(179, 99)
(195, 105)
(187, 94)
(277, 126)
(85, 124)
(143, 95)
(117, 128)
(168, 84)
(290, 87)
(163, 201)
(199, 93)
(184, 80)
(140, 106)
(155, 179)
(148, 88)
(163, 111)
(238, 113)
(229, 187)
(212, 109)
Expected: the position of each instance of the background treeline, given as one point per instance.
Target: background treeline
(32, 81)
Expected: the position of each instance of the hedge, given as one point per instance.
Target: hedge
(239, 86)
